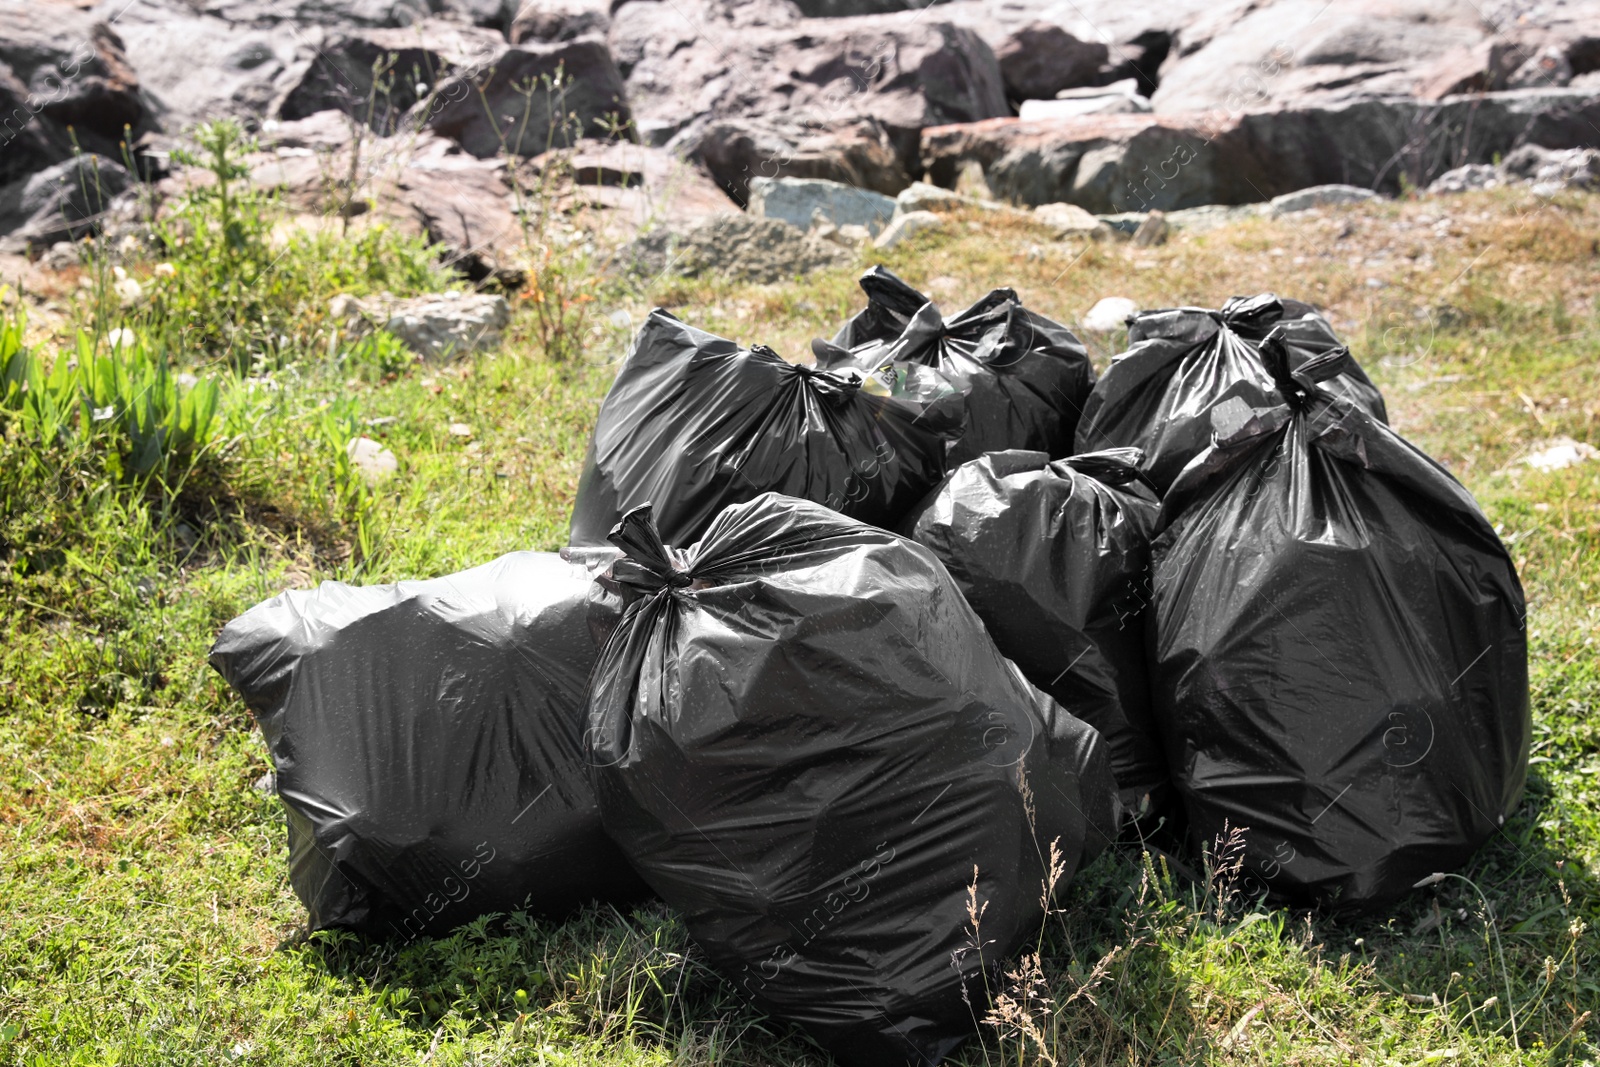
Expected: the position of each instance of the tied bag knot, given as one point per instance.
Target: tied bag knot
(1116, 467)
(1299, 384)
(1250, 316)
(647, 562)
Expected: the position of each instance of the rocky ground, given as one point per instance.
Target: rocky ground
(439, 116)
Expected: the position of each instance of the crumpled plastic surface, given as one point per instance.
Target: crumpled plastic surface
(1183, 363)
(427, 738)
(805, 743)
(1341, 659)
(1026, 378)
(694, 423)
(1055, 559)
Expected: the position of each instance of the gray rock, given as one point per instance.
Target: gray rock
(1138, 37)
(907, 225)
(1124, 223)
(1471, 176)
(1041, 59)
(324, 131)
(714, 80)
(576, 91)
(832, 9)
(464, 205)
(1109, 313)
(736, 151)
(798, 201)
(626, 188)
(1573, 168)
(438, 326)
(1212, 216)
(1098, 104)
(920, 196)
(61, 203)
(1318, 196)
(375, 464)
(378, 75)
(317, 12)
(1067, 220)
(560, 20)
(1547, 67)
(739, 246)
(1279, 54)
(60, 68)
(1296, 52)
(490, 14)
(193, 68)
(1560, 453)
(1152, 231)
(1111, 163)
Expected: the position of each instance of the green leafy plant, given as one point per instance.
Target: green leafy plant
(228, 289)
(123, 398)
(379, 356)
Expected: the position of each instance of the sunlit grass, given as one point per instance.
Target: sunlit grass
(145, 915)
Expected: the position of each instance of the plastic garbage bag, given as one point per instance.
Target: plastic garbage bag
(428, 744)
(1055, 559)
(807, 745)
(891, 303)
(1340, 658)
(1184, 362)
(694, 423)
(1026, 378)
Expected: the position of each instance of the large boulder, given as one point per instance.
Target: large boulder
(317, 12)
(759, 75)
(436, 326)
(560, 20)
(1115, 163)
(28, 142)
(736, 245)
(464, 205)
(800, 201)
(195, 67)
(378, 75)
(60, 203)
(737, 151)
(1246, 60)
(533, 97)
(1040, 59)
(491, 14)
(1295, 52)
(1137, 37)
(60, 67)
(618, 188)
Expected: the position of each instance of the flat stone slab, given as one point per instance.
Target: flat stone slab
(798, 201)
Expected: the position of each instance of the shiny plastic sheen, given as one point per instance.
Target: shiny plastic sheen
(1341, 659)
(1055, 559)
(1026, 378)
(428, 744)
(1182, 363)
(694, 423)
(807, 745)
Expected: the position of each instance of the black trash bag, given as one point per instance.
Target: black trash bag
(807, 745)
(891, 304)
(694, 423)
(1026, 378)
(1055, 559)
(428, 744)
(1340, 658)
(1182, 363)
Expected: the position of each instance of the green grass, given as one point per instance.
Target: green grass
(145, 915)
